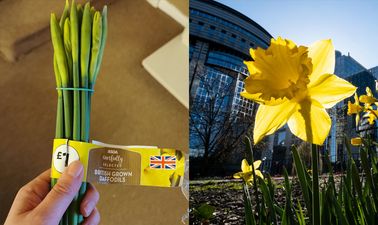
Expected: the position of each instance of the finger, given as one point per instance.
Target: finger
(89, 201)
(61, 195)
(93, 219)
(31, 194)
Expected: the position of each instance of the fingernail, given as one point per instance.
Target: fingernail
(87, 209)
(75, 168)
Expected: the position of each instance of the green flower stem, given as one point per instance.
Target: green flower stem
(249, 147)
(76, 71)
(59, 129)
(85, 54)
(73, 211)
(61, 62)
(315, 186)
(104, 34)
(82, 191)
(64, 15)
(249, 217)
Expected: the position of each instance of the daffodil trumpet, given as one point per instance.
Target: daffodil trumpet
(75, 56)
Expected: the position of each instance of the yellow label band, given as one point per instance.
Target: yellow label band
(66, 151)
(113, 164)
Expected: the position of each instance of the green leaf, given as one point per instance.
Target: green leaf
(204, 211)
(268, 199)
(301, 173)
(315, 186)
(249, 217)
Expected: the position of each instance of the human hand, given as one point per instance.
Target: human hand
(36, 204)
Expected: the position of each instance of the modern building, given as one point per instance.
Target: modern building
(220, 39)
(374, 72)
(346, 65)
(342, 124)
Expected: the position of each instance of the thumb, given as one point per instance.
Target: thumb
(59, 198)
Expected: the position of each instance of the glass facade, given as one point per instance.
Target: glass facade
(226, 60)
(232, 29)
(346, 65)
(374, 72)
(214, 82)
(220, 39)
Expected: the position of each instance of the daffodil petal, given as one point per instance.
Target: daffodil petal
(371, 115)
(258, 99)
(329, 89)
(368, 99)
(357, 119)
(257, 164)
(238, 175)
(322, 54)
(259, 174)
(245, 166)
(357, 141)
(368, 91)
(270, 118)
(310, 123)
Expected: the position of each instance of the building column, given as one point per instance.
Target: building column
(267, 154)
(196, 66)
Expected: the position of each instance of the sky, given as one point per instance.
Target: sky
(352, 25)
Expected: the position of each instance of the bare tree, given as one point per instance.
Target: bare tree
(215, 130)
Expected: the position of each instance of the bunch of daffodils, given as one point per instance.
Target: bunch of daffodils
(78, 40)
(368, 109)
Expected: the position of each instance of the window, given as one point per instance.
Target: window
(252, 45)
(281, 138)
(233, 35)
(223, 31)
(226, 60)
(200, 23)
(212, 27)
(243, 40)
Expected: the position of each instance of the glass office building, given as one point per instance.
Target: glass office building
(374, 71)
(346, 65)
(220, 39)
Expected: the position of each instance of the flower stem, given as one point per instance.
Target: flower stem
(315, 186)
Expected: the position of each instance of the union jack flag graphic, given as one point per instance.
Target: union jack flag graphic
(163, 162)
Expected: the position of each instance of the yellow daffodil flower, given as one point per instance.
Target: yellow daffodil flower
(371, 115)
(357, 141)
(368, 99)
(246, 173)
(355, 108)
(294, 85)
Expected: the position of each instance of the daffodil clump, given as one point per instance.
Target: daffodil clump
(368, 109)
(294, 85)
(78, 40)
(350, 200)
